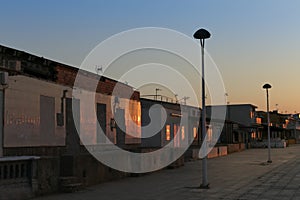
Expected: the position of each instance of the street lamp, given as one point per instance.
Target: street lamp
(267, 87)
(203, 34)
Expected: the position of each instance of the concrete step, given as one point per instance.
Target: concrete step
(70, 188)
(70, 184)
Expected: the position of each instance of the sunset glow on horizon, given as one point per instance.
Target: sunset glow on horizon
(252, 42)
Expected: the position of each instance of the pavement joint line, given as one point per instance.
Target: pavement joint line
(231, 178)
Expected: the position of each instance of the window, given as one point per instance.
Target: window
(47, 123)
(253, 135)
(251, 114)
(168, 132)
(101, 117)
(209, 133)
(176, 129)
(182, 133)
(258, 120)
(195, 131)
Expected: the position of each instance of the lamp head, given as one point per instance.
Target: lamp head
(267, 86)
(201, 34)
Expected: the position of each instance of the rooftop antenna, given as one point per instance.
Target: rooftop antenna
(226, 97)
(156, 90)
(276, 105)
(184, 99)
(98, 69)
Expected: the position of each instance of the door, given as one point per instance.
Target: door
(72, 117)
(47, 121)
(101, 125)
(67, 162)
(1, 121)
(120, 127)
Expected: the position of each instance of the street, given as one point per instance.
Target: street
(243, 175)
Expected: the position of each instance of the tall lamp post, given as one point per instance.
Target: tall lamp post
(267, 87)
(203, 34)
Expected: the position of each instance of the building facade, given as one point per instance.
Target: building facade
(282, 126)
(171, 120)
(241, 123)
(43, 117)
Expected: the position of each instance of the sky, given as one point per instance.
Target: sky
(253, 42)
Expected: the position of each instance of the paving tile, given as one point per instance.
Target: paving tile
(231, 177)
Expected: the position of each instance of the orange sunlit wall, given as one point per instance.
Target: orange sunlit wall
(30, 113)
(88, 126)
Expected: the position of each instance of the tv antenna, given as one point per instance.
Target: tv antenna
(98, 69)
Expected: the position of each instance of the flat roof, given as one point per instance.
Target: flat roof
(231, 105)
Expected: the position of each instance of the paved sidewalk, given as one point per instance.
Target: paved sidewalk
(244, 175)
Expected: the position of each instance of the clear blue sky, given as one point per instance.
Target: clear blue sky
(252, 42)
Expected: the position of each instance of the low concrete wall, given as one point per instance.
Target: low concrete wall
(223, 151)
(233, 148)
(18, 177)
(193, 153)
(236, 147)
(264, 144)
(291, 141)
(213, 153)
(43, 176)
(242, 146)
(178, 163)
(91, 171)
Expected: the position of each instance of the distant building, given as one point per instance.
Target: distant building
(282, 126)
(243, 120)
(293, 123)
(169, 123)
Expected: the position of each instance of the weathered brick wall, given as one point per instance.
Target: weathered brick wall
(193, 153)
(291, 141)
(67, 75)
(242, 146)
(235, 147)
(213, 153)
(218, 151)
(222, 150)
